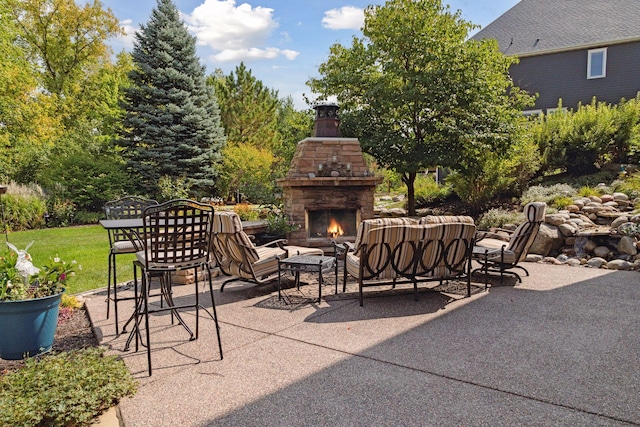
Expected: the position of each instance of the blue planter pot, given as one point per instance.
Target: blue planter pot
(28, 327)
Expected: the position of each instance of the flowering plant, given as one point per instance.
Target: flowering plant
(21, 280)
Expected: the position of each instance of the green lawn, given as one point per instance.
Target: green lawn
(88, 245)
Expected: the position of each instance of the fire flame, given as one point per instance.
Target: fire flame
(334, 230)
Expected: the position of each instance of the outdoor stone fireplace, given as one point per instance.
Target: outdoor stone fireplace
(328, 189)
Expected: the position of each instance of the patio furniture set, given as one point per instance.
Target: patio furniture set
(184, 234)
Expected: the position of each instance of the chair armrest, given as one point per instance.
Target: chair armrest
(341, 249)
(279, 243)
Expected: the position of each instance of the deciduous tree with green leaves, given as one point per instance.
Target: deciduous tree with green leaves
(172, 123)
(418, 93)
(65, 91)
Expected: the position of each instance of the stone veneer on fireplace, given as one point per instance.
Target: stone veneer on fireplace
(327, 179)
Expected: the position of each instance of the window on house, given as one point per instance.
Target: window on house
(531, 113)
(597, 63)
(556, 110)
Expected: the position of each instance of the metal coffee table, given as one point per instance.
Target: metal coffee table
(308, 263)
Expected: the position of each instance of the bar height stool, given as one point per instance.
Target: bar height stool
(122, 241)
(176, 236)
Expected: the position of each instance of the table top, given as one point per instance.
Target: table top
(309, 260)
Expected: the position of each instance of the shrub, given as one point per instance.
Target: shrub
(86, 217)
(561, 202)
(477, 187)
(61, 212)
(64, 389)
(70, 301)
(248, 169)
(89, 178)
(497, 218)
(587, 191)
(595, 134)
(630, 185)
(540, 193)
(392, 182)
(173, 188)
(245, 212)
(23, 207)
(427, 190)
(278, 224)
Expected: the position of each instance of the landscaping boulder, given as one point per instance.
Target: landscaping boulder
(619, 264)
(596, 262)
(557, 218)
(602, 252)
(619, 221)
(627, 245)
(547, 240)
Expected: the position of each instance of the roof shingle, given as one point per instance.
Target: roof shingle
(534, 27)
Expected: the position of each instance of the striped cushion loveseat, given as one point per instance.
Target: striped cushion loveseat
(403, 250)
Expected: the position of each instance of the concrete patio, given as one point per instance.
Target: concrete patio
(562, 348)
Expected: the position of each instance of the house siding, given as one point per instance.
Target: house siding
(564, 75)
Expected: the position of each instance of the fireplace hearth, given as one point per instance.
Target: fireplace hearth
(328, 179)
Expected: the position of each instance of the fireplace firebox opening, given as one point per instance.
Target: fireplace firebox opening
(332, 223)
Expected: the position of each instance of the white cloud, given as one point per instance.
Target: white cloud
(253, 53)
(290, 54)
(127, 39)
(345, 18)
(235, 33)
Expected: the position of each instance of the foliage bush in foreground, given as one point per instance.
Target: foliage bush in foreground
(64, 389)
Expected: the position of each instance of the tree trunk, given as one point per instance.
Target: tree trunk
(409, 179)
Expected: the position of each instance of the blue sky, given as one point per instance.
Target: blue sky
(282, 41)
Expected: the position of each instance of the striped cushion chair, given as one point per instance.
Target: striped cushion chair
(500, 256)
(237, 256)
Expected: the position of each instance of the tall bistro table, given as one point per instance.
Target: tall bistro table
(308, 263)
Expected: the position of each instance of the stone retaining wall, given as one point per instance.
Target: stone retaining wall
(600, 232)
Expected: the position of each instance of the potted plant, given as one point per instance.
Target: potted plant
(278, 225)
(29, 302)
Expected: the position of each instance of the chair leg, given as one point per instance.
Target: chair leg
(215, 314)
(109, 287)
(233, 279)
(112, 282)
(523, 269)
(145, 291)
(197, 296)
(115, 295)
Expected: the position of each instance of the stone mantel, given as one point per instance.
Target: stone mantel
(340, 181)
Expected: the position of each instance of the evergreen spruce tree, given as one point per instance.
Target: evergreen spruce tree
(172, 123)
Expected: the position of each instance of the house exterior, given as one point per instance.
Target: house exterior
(571, 50)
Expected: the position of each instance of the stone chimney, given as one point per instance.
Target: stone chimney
(327, 123)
